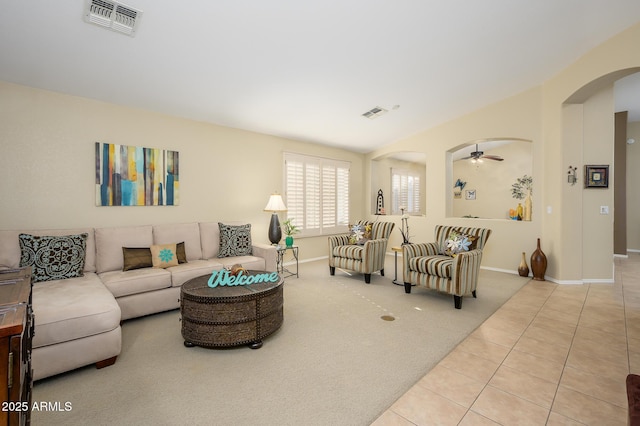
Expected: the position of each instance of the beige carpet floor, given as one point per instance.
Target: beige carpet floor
(335, 360)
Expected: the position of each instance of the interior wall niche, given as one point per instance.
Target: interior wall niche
(484, 185)
(381, 178)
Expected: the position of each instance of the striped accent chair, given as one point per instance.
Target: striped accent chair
(426, 265)
(365, 259)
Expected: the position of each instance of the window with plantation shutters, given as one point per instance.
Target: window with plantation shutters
(316, 193)
(405, 190)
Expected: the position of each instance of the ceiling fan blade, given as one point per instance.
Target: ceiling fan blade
(493, 157)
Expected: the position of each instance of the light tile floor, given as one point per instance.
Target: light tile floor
(552, 355)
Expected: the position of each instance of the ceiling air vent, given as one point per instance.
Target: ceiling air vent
(112, 15)
(374, 112)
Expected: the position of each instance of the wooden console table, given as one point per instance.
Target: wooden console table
(230, 315)
(16, 334)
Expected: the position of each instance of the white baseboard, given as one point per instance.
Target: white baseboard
(515, 272)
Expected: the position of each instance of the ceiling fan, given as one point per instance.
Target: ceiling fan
(477, 155)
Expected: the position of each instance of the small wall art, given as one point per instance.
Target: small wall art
(596, 176)
(136, 176)
(470, 194)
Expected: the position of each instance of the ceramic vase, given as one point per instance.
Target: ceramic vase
(523, 269)
(289, 241)
(538, 263)
(527, 208)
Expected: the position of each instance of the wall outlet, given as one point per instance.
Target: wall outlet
(604, 209)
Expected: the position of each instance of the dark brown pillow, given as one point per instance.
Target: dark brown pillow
(136, 258)
(140, 257)
(181, 253)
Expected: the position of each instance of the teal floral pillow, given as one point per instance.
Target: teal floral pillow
(164, 255)
(458, 243)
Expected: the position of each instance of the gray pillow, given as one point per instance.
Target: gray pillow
(235, 240)
(53, 257)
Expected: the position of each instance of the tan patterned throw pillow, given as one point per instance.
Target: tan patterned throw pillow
(164, 255)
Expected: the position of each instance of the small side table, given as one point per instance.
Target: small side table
(396, 250)
(280, 261)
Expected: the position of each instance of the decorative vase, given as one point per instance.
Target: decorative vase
(289, 241)
(538, 263)
(527, 207)
(519, 211)
(523, 269)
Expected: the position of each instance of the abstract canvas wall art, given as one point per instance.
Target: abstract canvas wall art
(136, 176)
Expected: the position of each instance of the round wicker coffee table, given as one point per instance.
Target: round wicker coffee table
(225, 316)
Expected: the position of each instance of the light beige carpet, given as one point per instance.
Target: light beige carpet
(335, 361)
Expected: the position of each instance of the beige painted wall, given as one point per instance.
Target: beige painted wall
(47, 166)
(381, 179)
(598, 147)
(633, 187)
(585, 78)
(569, 120)
(492, 181)
(515, 117)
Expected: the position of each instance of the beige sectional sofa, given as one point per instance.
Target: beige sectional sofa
(77, 320)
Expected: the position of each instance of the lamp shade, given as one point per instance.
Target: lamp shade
(275, 204)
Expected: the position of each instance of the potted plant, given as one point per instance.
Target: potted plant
(290, 230)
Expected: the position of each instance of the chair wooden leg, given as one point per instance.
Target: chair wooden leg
(382, 272)
(367, 278)
(407, 288)
(106, 362)
(457, 301)
(332, 270)
(474, 294)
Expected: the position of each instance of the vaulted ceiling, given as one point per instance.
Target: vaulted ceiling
(307, 70)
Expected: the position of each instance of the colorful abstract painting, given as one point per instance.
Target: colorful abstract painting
(135, 176)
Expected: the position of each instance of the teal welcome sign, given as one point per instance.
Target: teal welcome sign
(224, 278)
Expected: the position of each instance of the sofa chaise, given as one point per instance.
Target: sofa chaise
(77, 319)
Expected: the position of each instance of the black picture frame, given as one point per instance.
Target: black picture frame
(596, 176)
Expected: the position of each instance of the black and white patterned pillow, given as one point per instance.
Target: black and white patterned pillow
(53, 258)
(235, 240)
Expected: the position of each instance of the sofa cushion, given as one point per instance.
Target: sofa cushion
(164, 255)
(439, 265)
(71, 309)
(235, 240)
(196, 268)
(122, 283)
(109, 243)
(10, 245)
(248, 262)
(53, 257)
(210, 239)
(189, 233)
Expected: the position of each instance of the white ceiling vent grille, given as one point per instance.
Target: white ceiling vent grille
(113, 15)
(374, 112)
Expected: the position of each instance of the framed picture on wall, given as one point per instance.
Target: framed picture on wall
(596, 176)
(470, 194)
